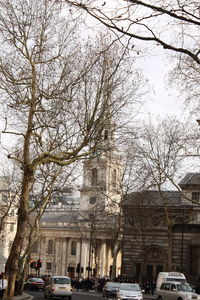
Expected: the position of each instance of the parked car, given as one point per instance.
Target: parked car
(175, 291)
(34, 284)
(129, 291)
(110, 289)
(58, 286)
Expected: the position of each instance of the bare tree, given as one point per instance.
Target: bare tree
(56, 95)
(169, 25)
(174, 25)
(158, 154)
(185, 76)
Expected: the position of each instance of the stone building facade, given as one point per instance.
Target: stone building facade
(149, 245)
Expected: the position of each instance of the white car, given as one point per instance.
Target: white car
(58, 286)
(175, 291)
(129, 291)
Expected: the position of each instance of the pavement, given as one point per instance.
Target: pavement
(25, 296)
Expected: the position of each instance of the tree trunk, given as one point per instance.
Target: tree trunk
(169, 252)
(114, 264)
(11, 267)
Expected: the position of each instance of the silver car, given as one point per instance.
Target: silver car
(129, 291)
(58, 286)
(175, 291)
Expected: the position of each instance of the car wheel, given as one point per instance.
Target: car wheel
(69, 297)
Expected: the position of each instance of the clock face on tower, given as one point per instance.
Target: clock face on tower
(93, 200)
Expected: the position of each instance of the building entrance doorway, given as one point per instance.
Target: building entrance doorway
(152, 271)
(154, 263)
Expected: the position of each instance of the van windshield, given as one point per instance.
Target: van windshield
(61, 280)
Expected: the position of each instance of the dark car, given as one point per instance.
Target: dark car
(34, 284)
(110, 289)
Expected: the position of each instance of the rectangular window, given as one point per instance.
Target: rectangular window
(12, 227)
(94, 176)
(49, 266)
(195, 196)
(35, 247)
(4, 198)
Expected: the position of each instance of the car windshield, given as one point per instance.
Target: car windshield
(130, 287)
(37, 280)
(113, 284)
(61, 280)
(184, 288)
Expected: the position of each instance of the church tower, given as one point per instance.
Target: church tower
(102, 175)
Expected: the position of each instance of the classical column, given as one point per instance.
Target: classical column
(103, 260)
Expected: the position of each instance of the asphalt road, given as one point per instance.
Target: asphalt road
(39, 295)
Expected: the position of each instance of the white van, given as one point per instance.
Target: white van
(58, 286)
(169, 276)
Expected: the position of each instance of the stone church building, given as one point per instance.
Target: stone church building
(162, 232)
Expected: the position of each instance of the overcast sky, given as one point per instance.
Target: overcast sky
(163, 101)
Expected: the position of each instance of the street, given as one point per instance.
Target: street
(76, 296)
(39, 295)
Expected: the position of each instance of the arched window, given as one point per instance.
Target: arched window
(73, 248)
(50, 247)
(94, 176)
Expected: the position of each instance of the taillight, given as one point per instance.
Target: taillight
(53, 288)
(34, 282)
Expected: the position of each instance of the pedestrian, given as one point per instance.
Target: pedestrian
(3, 285)
(147, 287)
